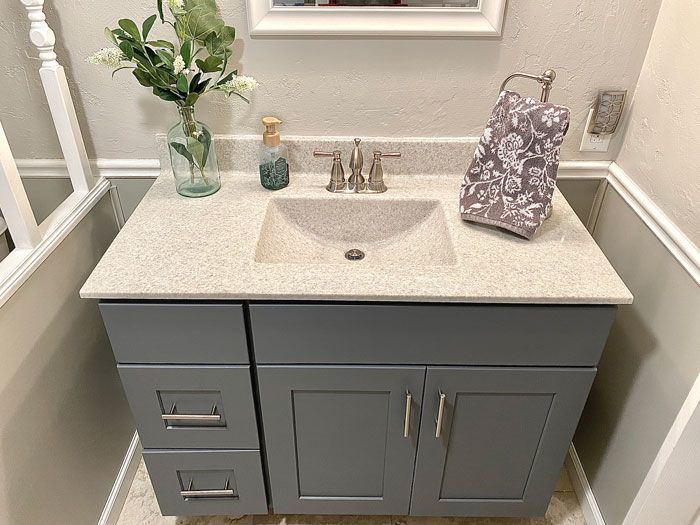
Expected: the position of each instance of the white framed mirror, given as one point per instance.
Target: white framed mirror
(375, 17)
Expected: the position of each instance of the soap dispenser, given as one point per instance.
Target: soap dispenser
(274, 167)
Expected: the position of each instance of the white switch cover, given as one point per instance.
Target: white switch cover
(590, 142)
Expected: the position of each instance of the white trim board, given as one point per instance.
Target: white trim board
(266, 20)
(122, 483)
(23, 262)
(150, 168)
(107, 168)
(583, 490)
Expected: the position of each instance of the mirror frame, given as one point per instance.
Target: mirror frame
(484, 20)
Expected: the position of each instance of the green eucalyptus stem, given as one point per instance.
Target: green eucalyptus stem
(189, 126)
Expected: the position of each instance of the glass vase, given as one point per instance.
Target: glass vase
(192, 156)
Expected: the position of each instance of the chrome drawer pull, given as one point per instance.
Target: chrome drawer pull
(226, 492)
(407, 415)
(214, 493)
(211, 417)
(441, 413)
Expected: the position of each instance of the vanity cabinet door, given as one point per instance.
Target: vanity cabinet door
(335, 437)
(502, 436)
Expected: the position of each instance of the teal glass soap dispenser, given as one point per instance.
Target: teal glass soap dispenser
(273, 160)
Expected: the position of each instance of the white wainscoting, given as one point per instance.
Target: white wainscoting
(651, 357)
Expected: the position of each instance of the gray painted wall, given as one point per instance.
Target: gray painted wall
(648, 365)
(65, 424)
(46, 193)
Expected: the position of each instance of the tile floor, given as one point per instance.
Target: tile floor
(141, 508)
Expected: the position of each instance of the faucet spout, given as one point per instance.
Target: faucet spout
(356, 182)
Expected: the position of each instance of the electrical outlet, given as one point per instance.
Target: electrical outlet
(590, 142)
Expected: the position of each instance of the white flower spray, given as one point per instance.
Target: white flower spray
(239, 85)
(179, 66)
(107, 56)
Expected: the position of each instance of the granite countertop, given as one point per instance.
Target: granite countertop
(178, 248)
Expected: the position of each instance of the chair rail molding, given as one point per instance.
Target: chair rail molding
(107, 168)
(680, 246)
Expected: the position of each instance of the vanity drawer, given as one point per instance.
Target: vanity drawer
(207, 482)
(192, 406)
(176, 333)
(430, 334)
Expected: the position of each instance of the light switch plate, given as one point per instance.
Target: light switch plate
(590, 142)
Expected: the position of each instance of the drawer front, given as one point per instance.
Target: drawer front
(192, 406)
(176, 333)
(207, 482)
(430, 334)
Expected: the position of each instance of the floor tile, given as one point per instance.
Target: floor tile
(564, 482)
(301, 519)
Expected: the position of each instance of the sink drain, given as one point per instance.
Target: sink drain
(354, 255)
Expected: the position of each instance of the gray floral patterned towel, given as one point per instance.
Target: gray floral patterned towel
(511, 180)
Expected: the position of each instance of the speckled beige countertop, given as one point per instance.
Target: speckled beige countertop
(178, 248)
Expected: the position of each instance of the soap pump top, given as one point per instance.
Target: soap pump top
(271, 136)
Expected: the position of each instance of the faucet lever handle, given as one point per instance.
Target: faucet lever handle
(335, 153)
(378, 154)
(337, 183)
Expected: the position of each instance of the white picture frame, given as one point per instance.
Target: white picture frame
(266, 20)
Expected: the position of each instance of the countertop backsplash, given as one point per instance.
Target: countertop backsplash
(419, 156)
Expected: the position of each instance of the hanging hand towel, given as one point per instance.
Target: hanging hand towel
(511, 180)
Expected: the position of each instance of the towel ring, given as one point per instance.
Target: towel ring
(545, 79)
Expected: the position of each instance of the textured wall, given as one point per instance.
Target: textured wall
(409, 87)
(661, 148)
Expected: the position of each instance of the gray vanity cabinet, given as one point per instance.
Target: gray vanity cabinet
(341, 439)
(498, 446)
(428, 410)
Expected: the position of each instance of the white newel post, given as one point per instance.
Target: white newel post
(13, 200)
(53, 77)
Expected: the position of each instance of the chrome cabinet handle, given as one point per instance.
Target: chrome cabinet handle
(226, 492)
(208, 418)
(441, 413)
(407, 415)
(214, 493)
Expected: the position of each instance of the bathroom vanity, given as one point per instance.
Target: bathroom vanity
(442, 374)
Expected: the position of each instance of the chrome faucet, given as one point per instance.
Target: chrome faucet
(356, 182)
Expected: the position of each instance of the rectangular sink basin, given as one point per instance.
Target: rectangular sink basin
(387, 232)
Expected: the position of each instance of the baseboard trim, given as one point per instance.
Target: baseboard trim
(582, 488)
(670, 235)
(122, 483)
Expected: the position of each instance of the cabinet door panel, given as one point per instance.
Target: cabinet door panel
(503, 438)
(334, 437)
